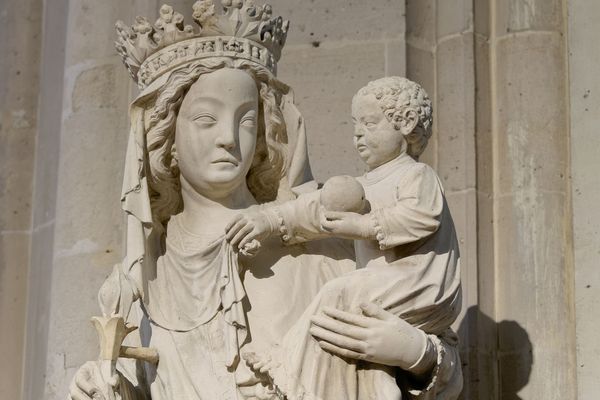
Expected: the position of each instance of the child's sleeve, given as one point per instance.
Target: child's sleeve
(299, 220)
(417, 212)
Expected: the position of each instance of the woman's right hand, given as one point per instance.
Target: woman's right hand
(249, 226)
(89, 384)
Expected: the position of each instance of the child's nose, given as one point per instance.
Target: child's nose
(359, 131)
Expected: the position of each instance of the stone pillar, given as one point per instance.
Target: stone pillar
(584, 61)
(531, 199)
(440, 56)
(20, 27)
(88, 224)
(497, 68)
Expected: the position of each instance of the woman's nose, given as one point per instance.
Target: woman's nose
(226, 139)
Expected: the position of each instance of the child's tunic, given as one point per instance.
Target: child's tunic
(411, 270)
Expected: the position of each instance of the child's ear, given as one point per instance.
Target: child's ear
(409, 120)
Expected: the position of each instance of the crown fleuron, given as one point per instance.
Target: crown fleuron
(243, 30)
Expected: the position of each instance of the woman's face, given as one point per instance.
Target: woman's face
(216, 131)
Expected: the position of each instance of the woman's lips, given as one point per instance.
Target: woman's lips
(228, 160)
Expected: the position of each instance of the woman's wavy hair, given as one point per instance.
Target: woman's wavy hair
(269, 165)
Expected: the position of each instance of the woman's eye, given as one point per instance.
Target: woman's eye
(205, 119)
(247, 122)
(370, 124)
(249, 119)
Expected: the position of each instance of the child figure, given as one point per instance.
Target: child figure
(406, 249)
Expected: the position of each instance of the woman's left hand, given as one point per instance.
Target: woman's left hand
(376, 336)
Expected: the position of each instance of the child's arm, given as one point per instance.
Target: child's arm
(296, 221)
(417, 212)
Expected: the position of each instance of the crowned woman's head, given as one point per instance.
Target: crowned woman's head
(171, 64)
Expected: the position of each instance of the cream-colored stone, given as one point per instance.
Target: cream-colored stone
(92, 20)
(534, 291)
(51, 67)
(326, 108)
(453, 17)
(14, 259)
(198, 182)
(584, 57)
(531, 114)
(421, 68)
(343, 193)
(16, 144)
(72, 319)
(483, 117)
(482, 17)
(455, 115)
(421, 21)
(395, 58)
(95, 87)
(528, 15)
(342, 20)
(38, 312)
(20, 47)
(20, 26)
(98, 141)
(461, 206)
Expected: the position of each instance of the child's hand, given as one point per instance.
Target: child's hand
(244, 228)
(348, 225)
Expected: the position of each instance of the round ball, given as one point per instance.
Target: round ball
(343, 193)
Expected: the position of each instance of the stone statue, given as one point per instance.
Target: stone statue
(215, 135)
(407, 254)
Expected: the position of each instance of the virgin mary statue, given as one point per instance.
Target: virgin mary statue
(215, 133)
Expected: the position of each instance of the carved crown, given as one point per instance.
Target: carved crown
(243, 30)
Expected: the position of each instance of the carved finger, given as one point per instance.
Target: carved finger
(338, 351)
(376, 311)
(330, 226)
(76, 393)
(337, 339)
(334, 215)
(261, 364)
(248, 238)
(240, 235)
(241, 223)
(250, 357)
(322, 220)
(233, 221)
(340, 327)
(350, 318)
(82, 382)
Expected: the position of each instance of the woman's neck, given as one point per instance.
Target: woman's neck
(203, 214)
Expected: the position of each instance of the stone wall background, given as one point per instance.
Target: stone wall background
(515, 143)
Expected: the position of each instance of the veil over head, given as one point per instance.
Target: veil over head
(143, 241)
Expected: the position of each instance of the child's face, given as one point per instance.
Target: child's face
(375, 138)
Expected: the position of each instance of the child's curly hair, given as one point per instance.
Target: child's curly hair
(394, 94)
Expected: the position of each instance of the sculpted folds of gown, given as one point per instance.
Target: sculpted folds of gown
(212, 273)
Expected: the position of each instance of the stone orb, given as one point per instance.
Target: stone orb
(343, 193)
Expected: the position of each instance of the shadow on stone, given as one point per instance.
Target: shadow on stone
(496, 357)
